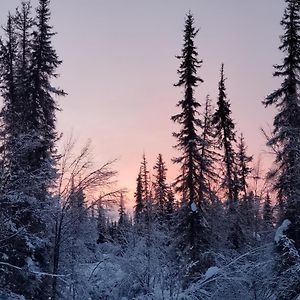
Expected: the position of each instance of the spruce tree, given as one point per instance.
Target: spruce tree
(124, 223)
(209, 157)
(28, 65)
(160, 187)
(42, 108)
(243, 168)
(11, 107)
(286, 132)
(225, 130)
(145, 179)
(192, 226)
(268, 211)
(24, 26)
(18, 141)
(170, 206)
(147, 194)
(139, 207)
(122, 213)
(27, 244)
(29, 113)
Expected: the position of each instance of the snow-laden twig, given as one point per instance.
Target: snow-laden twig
(33, 272)
(221, 274)
(11, 236)
(98, 264)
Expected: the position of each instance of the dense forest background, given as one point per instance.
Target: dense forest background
(223, 229)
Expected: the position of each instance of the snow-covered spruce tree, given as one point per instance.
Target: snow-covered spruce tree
(14, 212)
(287, 265)
(21, 212)
(243, 168)
(250, 219)
(41, 118)
(11, 107)
(286, 132)
(17, 140)
(225, 131)
(191, 224)
(28, 65)
(42, 107)
(161, 188)
(30, 117)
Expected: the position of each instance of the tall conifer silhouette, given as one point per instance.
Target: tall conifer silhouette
(286, 133)
(192, 229)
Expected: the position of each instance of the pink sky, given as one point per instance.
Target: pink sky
(119, 67)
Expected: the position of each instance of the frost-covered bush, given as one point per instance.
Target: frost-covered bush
(139, 268)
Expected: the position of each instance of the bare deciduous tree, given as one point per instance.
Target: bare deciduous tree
(78, 174)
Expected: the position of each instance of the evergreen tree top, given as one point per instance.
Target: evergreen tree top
(242, 150)
(45, 58)
(290, 44)
(221, 118)
(160, 167)
(188, 137)
(188, 67)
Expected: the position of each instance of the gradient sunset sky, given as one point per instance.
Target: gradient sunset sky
(119, 67)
